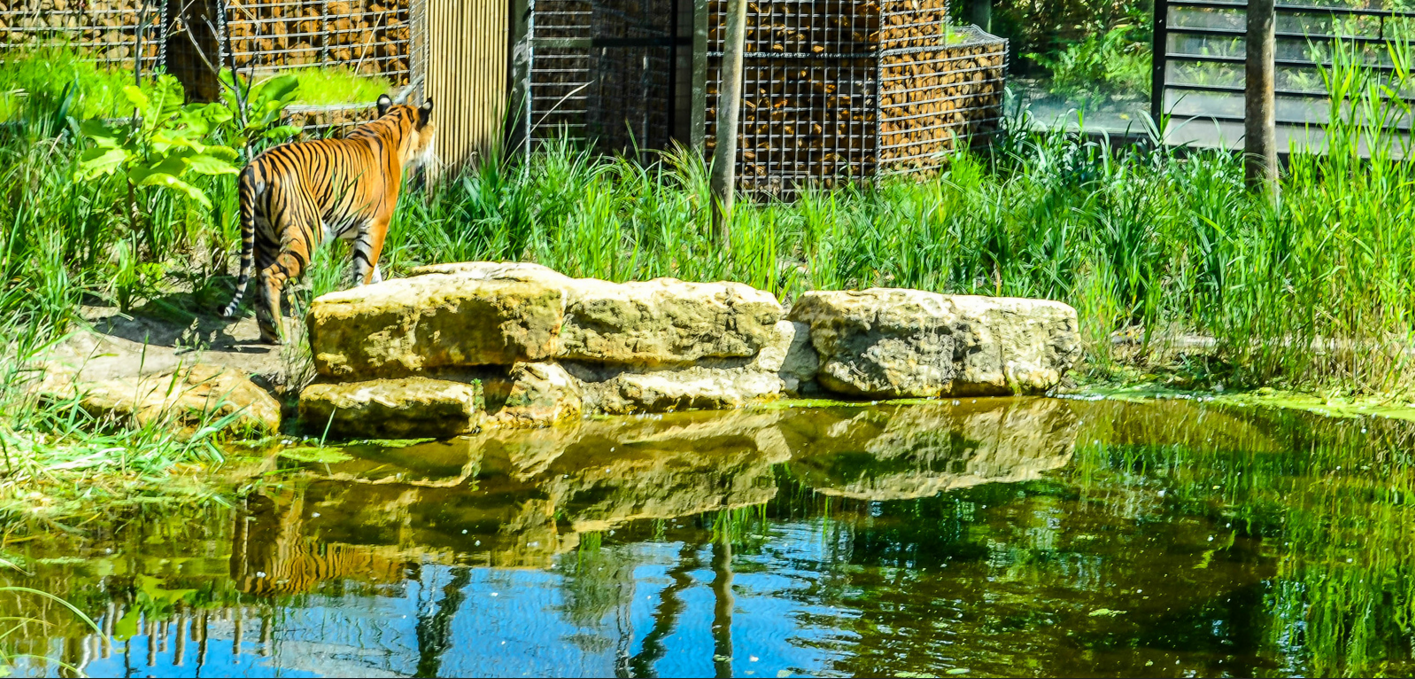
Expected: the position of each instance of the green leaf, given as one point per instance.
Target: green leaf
(100, 162)
(173, 165)
(137, 98)
(157, 591)
(171, 182)
(225, 153)
(280, 89)
(209, 164)
(104, 134)
(127, 626)
(282, 132)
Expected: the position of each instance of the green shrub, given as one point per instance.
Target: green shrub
(1105, 62)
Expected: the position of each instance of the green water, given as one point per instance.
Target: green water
(978, 538)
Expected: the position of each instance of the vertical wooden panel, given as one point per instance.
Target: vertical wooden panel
(466, 76)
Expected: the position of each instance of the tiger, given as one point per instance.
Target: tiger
(295, 196)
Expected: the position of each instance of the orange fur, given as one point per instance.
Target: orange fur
(296, 195)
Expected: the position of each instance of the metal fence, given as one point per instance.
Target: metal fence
(366, 37)
(606, 72)
(127, 33)
(844, 88)
(1198, 79)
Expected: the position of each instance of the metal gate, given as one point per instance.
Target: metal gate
(610, 73)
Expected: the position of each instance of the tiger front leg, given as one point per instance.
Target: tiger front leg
(368, 246)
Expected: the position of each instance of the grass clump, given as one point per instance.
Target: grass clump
(331, 86)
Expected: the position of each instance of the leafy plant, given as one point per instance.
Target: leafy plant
(161, 147)
(256, 111)
(1104, 62)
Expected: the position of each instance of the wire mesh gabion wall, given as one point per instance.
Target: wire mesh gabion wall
(126, 33)
(854, 88)
(368, 37)
(603, 72)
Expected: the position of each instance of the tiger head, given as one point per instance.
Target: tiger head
(416, 128)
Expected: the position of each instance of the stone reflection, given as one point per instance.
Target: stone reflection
(516, 499)
(910, 452)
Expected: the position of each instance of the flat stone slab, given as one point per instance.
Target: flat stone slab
(185, 396)
(438, 320)
(408, 407)
(665, 321)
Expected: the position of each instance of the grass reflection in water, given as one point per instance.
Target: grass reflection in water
(1000, 537)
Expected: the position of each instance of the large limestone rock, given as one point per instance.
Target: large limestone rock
(496, 271)
(665, 321)
(693, 388)
(781, 367)
(437, 320)
(1012, 345)
(406, 407)
(881, 343)
(541, 394)
(791, 356)
(188, 397)
(891, 343)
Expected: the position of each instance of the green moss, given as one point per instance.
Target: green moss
(315, 454)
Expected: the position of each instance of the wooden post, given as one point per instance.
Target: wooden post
(1259, 107)
(518, 48)
(729, 104)
(699, 87)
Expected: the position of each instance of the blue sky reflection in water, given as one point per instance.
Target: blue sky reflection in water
(996, 537)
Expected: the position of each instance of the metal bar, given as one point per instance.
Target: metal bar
(698, 131)
(612, 43)
(1239, 33)
(1286, 63)
(1296, 94)
(1294, 9)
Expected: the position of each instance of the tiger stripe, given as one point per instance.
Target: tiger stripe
(296, 196)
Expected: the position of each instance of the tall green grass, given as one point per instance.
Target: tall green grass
(1314, 292)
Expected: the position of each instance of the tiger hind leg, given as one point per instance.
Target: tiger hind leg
(273, 277)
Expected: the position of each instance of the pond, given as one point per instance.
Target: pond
(1015, 537)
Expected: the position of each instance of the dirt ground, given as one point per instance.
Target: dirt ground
(109, 344)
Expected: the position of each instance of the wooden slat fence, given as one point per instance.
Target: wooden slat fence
(465, 75)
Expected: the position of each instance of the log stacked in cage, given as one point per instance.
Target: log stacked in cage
(932, 99)
(117, 33)
(854, 88)
(366, 36)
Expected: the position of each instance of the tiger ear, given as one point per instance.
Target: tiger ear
(425, 112)
(385, 102)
